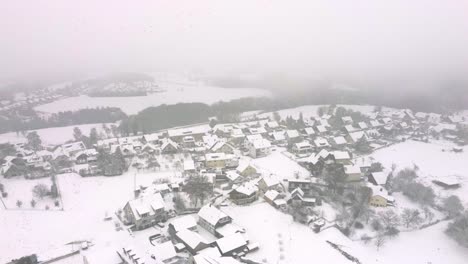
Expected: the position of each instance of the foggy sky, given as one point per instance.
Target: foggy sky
(358, 39)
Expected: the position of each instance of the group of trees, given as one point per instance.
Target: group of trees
(68, 118)
(418, 192)
(199, 188)
(90, 140)
(111, 164)
(458, 229)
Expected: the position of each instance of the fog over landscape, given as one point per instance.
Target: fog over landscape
(230, 132)
(351, 40)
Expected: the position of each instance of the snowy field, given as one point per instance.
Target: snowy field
(176, 92)
(299, 244)
(85, 201)
(279, 165)
(52, 136)
(435, 161)
(309, 111)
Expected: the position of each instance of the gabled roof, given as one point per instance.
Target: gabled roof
(211, 214)
(380, 177)
(146, 204)
(261, 143)
(271, 195)
(309, 131)
(340, 140)
(321, 142)
(352, 169)
(230, 243)
(184, 222)
(192, 239)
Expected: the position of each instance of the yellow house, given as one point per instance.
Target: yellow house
(380, 197)
(245, 169)
(215, 160)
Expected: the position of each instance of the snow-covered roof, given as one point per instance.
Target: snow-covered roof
(232, 242)
(270, 181)
(309, 131)
(243, 165)
(188, 131)
(184, 222)
(380, 177)
(232, 175)
(146, 204)
(166, 142)
(302, 145)
(321, 128)
(347, 119)
(247, 189)
(257, 130)
(340, 140)
(352, 169)
(218, 145)
(362, 125)
(165, 251)
(350, 128)
(252, 138)
(271, 195)
(192, 239)
(341, 155)
(215, 156)
(380, 191)
(211, 214)
(261, 144)
(292, 133)
(278, 136)
(189, 164)
(272, 124)
(321, 142)
(356, 136)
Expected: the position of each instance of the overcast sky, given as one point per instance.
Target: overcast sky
(367, 38)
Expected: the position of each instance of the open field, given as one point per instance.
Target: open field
(175, 93)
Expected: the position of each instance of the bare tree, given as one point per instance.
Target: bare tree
(428, 214)
(389, 218)
(411, 217)
(380, 240)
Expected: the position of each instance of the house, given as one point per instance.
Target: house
(168, 146)
(380, 197)
(165, 252)
(259, 148)
(362, 125)
(338, 141)
(244, 194)
(272, 125)
(182, 223)
(349, 128)
(193, 241)
(270, 196)
(246, 169)
(145, 211)
(378, 178)
(353, 173)
(257, 131)
(216, 160)
(347, 120)
(321, 129)
(223, 147)
(196, 133)
(302, 147)
(268, 183)
(342, 157)
(448, 182)
(152, 138)
(248, 141)
(297, 198)
(278, 138)
(321, 143)
(309, 131)
(234, 177)
(292, 136)
(210, 218)
(304, 184)
(230, 245)
(189, 166)
(188, 141)
(356, 136)
(85, 156)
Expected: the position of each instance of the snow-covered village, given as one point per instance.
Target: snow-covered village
(233, 132)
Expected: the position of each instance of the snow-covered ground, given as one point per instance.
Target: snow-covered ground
(309, 111)
(434, 160)
(279, 165)
(85, 201)
(177, 91)
(52, 136)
